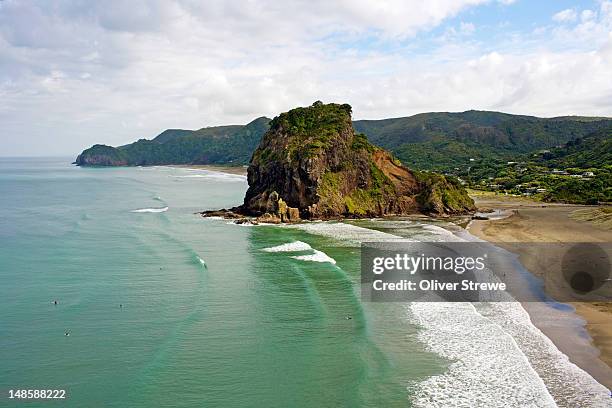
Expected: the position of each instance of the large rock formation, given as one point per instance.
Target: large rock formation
(311, 163)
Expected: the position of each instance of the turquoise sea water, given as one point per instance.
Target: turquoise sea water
(208, 317)
(215, 314)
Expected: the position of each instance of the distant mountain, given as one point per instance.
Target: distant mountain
(220, 144)
(427, 141)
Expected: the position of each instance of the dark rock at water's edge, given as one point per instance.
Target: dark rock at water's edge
(276, 212)
(233, 213)
(312, 165)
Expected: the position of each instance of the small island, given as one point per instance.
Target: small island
(311, 164)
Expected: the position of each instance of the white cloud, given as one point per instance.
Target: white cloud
(73, 74)
(587, 15)
(565, 16)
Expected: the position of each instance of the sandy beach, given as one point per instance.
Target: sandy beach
(531, 221)
(239, 170)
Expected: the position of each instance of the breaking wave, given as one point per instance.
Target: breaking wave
(298, 246)
(498, 357)
(202, 262)
(295, 246)
(346, 234)
(150, 210)
(317, 256)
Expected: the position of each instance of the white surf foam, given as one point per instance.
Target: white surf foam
(317, 256)
(442, 234)
(569, 384)
(487, 359)
(241, 224)
(150, 210)
(346, 234)
(202, 262)
(499, 358)
(298, 246)
(295, 246)
(488, 368)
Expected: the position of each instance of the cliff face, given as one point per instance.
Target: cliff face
(313, 163)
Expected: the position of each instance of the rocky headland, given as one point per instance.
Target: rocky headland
(311, 164)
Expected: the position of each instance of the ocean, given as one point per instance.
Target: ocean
(166, 308)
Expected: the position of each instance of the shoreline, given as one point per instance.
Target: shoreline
(585, 336)
(530, 221)
(235, 170)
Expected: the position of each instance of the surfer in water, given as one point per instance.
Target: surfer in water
(67, 334)
(55, 302)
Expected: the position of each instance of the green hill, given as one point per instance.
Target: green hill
(593, 150)
(579, 171)
(221, 144)
(446, 141)
(441, 141)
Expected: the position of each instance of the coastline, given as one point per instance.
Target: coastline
(587, 343)
(236, 170)
(531, 221)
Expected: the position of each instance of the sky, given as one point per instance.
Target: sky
(75, 73)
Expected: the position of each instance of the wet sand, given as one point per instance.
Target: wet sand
(542, 222)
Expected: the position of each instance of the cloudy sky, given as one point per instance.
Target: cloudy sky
(74, 73)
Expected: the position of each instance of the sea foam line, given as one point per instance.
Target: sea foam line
(347, 234)
(317, 256)
(488, 368)
(570, 385)
(289, 247)
(299, 246)
(150, 210)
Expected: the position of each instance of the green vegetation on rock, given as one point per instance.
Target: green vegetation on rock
(315, 162)
(442, 193)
